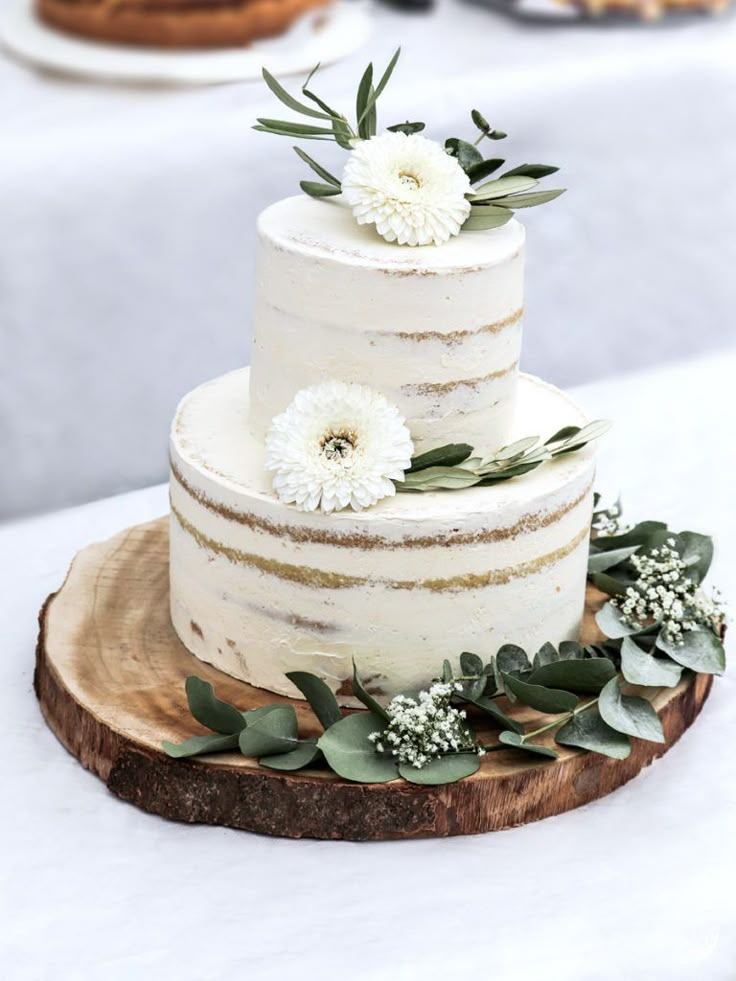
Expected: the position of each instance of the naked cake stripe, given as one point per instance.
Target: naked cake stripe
(320, 579)
(304, 535)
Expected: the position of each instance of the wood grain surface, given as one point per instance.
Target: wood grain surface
(110, 677)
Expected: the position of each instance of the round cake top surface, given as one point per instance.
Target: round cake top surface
(325, 228)
(211, 440)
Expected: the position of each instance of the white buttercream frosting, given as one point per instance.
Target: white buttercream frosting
(437, 330)
(258, 588)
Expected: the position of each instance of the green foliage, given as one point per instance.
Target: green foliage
(320, 697)
(587, 730)
(352, 755)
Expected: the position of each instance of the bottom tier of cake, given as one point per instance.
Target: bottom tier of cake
(259, 588)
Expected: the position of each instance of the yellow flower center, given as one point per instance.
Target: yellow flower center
(410, 181)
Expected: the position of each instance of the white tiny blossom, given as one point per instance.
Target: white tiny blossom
(421, 731)
(409, 187)
(608, 521)
(663, 593)
(337, 445)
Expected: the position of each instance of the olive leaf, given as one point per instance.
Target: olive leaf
(288, 100)
(317, 168)
(444, 456)
(316, 190)
(629, 714)
(352, 755)
(532, 170)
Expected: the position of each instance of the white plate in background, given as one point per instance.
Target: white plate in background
(321, 35)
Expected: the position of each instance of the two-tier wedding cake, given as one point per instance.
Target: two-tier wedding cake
(431, 330)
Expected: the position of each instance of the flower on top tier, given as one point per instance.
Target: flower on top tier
(409, 187)
(337, 445)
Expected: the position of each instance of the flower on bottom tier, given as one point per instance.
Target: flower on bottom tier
(408, 187)
(337, 445)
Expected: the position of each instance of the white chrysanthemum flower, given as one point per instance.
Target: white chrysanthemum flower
(338, 445)
(409, 187)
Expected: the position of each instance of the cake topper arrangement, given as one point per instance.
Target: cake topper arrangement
(341, 445)
(658, 622)
(412, 190)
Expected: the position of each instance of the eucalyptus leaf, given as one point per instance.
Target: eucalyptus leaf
(641, 668)
(588, 675)
(697, 553)
(630, 714)
(612, 624)
(570, 650)
(275, 732)
(446, 769)
(587, 730)
(465, 153)
(320, 697)
(552, 701)
(638, 535)
(408, 128)
(517, 741)
(700, 650)
(484, 169)
(512, 659)
(489, 706)
(200, 745)
(601, 561)
(471, 664)
(305, 754)
(609, 584)
(363, 696)
(211, 711)
(481, 122)
(546, 654)
(352, 755)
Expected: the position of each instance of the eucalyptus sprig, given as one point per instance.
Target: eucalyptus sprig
(582, 692)
(457, 466)
(492, 203)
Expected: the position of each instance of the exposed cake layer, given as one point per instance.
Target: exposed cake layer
(259, 588)
(436, 330)
(175, 23)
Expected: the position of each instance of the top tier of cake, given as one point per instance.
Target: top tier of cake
(437, 330)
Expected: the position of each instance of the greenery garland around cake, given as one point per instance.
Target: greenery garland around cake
(658, 622)
(413, 190)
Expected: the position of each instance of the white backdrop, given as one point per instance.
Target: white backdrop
(127, 217)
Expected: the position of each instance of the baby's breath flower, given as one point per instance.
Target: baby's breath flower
(608, 520)
(665, 594)
(421, 731)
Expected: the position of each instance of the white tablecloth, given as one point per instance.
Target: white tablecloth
(127, 216)
(635, 887)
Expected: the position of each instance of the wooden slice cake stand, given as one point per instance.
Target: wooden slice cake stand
(110, 677)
